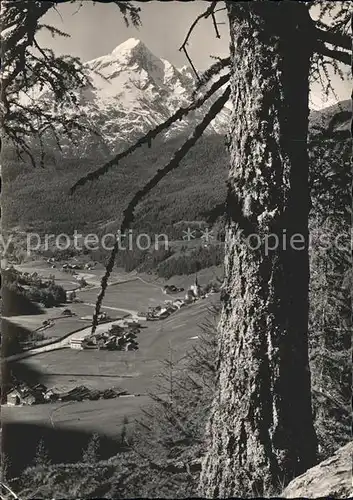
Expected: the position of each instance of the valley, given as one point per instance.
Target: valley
(137, 372)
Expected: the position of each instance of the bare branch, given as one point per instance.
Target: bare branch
(191, 63)
(215, 25)
(210, 11)
(152, 134)
(205, 15)
(128, 214)
(334, 38)
(338, 55)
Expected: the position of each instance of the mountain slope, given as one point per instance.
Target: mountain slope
(39, 200)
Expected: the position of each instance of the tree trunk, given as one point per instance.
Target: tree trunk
(261, 431)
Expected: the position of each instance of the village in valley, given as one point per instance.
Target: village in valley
(139, 318)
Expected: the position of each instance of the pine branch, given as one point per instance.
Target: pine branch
(23, 70)
(129, 211)
(213, 70)
(152, 134)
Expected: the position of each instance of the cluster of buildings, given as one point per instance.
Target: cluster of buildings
(40, 394)
(24, 395)
(163, 311)
(75, 267)
(120, 336)
(169, 289)
(195, 292)
(71, 266)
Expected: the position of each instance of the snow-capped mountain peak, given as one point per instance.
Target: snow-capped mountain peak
(128, 45)
(132, 92)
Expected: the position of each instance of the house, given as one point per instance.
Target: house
(134, 329)
(50, 395)
(111, 343)
(178, 303)
(120, 343)
(13, 398)
(163, 314)
(130, 346)
(131, 321)
(103, 316)
(78, 343)
(153, 309)
(117, 329)
(130, 335)
(29, 399)
(25, 396)
(189, 297)
(100, 343)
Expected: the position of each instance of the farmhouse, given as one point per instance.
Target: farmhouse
(13, 398)
(103, 316)
(178, 303)
(50, 395)
(163, 313)
(24, 396)
(29, 399)
(130, 346)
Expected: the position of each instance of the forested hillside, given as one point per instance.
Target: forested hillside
(39, 200)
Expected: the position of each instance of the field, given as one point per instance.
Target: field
(62, 325)
(135, 295)
(66, 280)
(107, 413)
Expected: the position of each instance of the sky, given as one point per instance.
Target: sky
(95, 30)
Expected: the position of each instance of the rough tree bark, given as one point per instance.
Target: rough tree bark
(260, 432)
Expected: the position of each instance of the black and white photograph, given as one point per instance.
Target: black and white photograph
(176, 249)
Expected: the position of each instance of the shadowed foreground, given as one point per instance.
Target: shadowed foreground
(20, 443)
